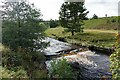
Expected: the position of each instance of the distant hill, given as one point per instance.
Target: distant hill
(107, 23)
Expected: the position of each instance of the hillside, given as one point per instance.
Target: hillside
(107, 23)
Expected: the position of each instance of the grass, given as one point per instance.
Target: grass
(104, 38)
(100, 31)
(107, 23)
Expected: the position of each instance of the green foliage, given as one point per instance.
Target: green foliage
(104, 38)
(61, 69)
(115, 61)
(72, 15)
(15, 73)
(106, 23)
(32, 63)
(21, 28)
(53, 23)
(22, 35)
(40, 74)
(113, 20)
(11, 59)
(115, 64)
(95, 16)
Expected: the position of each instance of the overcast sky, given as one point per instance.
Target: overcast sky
(50, 8)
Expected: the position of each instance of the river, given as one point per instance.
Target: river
(96, 65)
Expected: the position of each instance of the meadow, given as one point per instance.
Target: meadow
(95, 37)
(104, 23)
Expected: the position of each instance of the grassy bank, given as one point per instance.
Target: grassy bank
(107, 23)
(100, 38)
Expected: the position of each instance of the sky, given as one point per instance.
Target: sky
(50, 8)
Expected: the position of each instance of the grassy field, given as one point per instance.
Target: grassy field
(100, 38)
(107, 23)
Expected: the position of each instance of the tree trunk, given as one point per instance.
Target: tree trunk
(72, 33)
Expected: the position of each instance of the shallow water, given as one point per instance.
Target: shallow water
(96, 64)
(56, 46)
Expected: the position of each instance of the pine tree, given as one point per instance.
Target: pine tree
(72, 15)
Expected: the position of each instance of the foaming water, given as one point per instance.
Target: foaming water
(96, 64)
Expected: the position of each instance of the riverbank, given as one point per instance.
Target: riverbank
(102, 40)
(99, 38)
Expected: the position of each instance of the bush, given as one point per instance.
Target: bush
(115, 61)
(115, 64)
(28, 61)
(61, 69)
(11, 59)
(53, 23)
(95, 16)
(15, 73)
(40, 73)
(113, 20)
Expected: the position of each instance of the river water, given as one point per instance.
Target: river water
(96, 65)
(56, 46)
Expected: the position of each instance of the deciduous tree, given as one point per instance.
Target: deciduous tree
(21, 28)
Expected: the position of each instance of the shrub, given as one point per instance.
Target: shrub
(61, 69)
(28, 61)
(115, 65)
(40, 73)
(15, 73)
(115, 61)
(11, 59)
(53, 23)
(95, 16)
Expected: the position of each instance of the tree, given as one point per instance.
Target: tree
(106, 15)
(95, 16)
(21, 28)
(72, 15)
(23, 34)
(53, 23)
